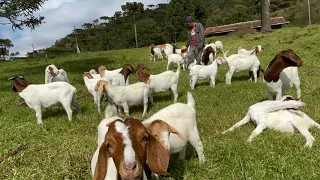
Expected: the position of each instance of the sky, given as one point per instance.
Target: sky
(60, 17)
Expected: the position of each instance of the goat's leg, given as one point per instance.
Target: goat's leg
(244, 121)
(76, 105)
(169, 63)
(297, 85)
(182, 153)
(193, 81)
(270, 95)
(195, 141)
(303, 126)
(229, 76)
(125, 108)
(257, 131)
(99, 96)
(212, 81)
(145, 104)
(38, 114)
(174, 89)
(68, 109)
(255, 75)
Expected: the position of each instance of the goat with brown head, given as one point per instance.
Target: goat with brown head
(130, 145)
(127, 70)
(142, 76)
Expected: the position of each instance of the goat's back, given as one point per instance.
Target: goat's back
(243, 62)
(163, 81)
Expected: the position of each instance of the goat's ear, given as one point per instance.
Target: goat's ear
(158, 157)
(102, 163)
(175, 131)
(14, 88)
(131, 68)
(12, 78)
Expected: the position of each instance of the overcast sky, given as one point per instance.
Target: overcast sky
(60, 17)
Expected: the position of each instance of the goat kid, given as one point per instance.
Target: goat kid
(177, 58)
(90, 83)
(254, 51)
(122, 78)
(282, 73)
(202, 72)
(155, 53)
(54, 74)
(282, 115)
(108, 74)
(166, 48)
(160, 82)
(126, 148)
(124, 96)
(37, 95)
(241, 62)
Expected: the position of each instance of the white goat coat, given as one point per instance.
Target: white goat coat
(37, 95)
(183, 118)
(201, 72)
(219, 46)
(241, 62)
(168, 50)
(108, 75)
(279, 115)
(157, 54)
(134, 94)
(177, 58)
(287, 78)
(91, 84)
(60, 75)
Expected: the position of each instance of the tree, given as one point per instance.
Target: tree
(21, 12)
(5, 45)
(265, 17)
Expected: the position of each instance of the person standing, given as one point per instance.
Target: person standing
(196, 41)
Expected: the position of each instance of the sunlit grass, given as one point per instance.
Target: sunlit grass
(60, 149)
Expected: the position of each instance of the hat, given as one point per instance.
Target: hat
(189, 19)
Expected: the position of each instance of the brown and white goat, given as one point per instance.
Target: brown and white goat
(282, 73)
(206, 58)
(122, 78)
(160, 82)
(129, 145)
(155, 53)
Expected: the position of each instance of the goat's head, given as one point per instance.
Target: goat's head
(102, 86)
(53, 70)
(161, 130)
(92, 71)
(130, 145)
(290, 58)
(206, 53)
(102, 70)
(88, 75)
(19, 83)
(141, 67)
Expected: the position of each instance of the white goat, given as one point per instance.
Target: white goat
(94, 74)
(202, 72)
(155, 53)
(53, 74)
(183, 118)
(282, 115)
(241, 62)
(90, 83)
(282, 73)
(177, 58)
(108, 74)
(219, 46)
(160, 82)
(125, 96)
(167, 49)
(37, 95)
(253, 51)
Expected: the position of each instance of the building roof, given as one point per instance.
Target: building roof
(249, 24)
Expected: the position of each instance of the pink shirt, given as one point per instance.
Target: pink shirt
(194, 43)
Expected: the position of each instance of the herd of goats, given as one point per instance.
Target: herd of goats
(127, 146)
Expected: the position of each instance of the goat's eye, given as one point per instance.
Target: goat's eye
(145, 139)
(109, 146)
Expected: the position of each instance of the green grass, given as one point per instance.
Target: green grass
(60, 149)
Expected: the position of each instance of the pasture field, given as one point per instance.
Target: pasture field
(60, 149)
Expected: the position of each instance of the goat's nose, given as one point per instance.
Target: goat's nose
(130, 166)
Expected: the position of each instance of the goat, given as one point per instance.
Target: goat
(182, 117)
(155, 53)
(240, 62)
(219, 46)
(254, 51)
(160, 82)
(54, 74)
(176, 50)
(94, 74)
(108, 74)
(166, 48)
(129, 145)
(207, 56)
(90, 83)
(282, 73)
(177, 58)
(201, 72)
(37, 95)
(122, 78)
(125, 96)
(282, 115)
(213, 46)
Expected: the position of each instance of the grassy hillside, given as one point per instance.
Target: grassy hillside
(60, 149)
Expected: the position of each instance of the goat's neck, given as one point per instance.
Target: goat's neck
(125, 73)
(142, 75)
(273, 71)
(20, 87)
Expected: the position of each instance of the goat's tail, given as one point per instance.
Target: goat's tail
(225, 56)
(190, 102)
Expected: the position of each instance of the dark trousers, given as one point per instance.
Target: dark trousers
(194, 53)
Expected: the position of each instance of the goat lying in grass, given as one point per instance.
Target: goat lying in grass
(282, 115)
(282, 73)
(37, 95)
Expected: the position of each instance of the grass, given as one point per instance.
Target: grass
(60, 149)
